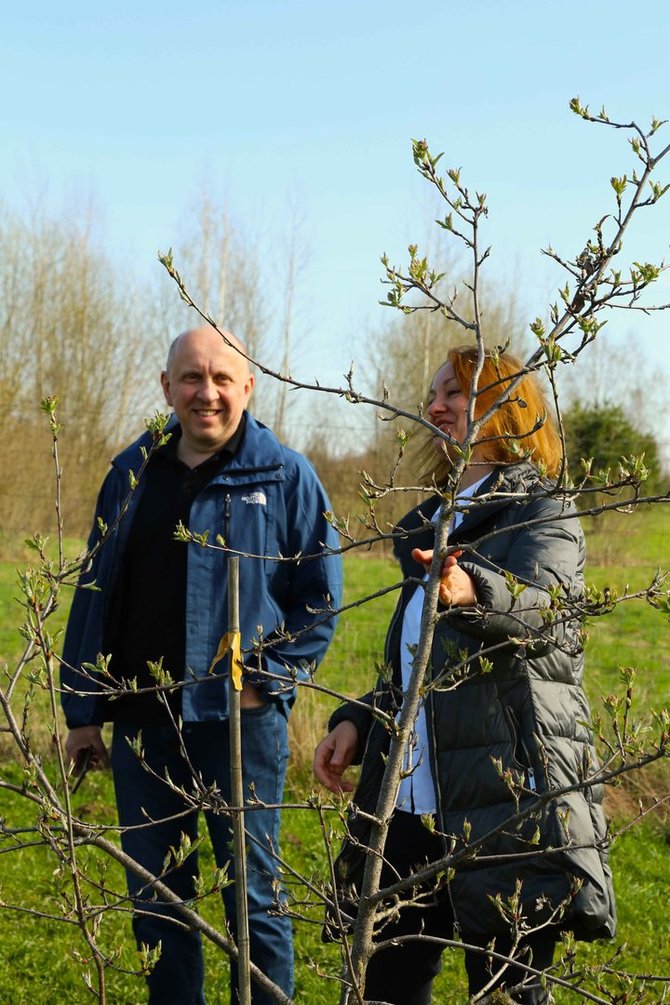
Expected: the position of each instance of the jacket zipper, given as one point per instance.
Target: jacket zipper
(432, 753)
(527, 764)
(438, 803)
(429, 707)
(226, 519)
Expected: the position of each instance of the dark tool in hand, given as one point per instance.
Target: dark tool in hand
(84, 765)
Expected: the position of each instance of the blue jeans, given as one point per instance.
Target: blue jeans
(178, 978)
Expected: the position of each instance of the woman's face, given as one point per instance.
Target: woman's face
(447, 405)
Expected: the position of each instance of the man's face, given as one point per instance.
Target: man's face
(208, 385)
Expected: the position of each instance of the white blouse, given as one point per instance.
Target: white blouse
(417, 790)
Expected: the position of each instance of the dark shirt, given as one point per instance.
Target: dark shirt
(149, 604)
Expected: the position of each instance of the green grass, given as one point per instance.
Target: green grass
(37, 961)
(625, 553)
(38, 957)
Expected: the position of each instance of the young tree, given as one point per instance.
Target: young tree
(574, 323)
(594, 286)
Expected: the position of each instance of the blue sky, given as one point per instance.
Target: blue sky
(314, 104)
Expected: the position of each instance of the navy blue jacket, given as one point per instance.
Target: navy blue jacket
(268, 504)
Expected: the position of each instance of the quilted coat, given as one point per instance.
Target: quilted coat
(519, 714)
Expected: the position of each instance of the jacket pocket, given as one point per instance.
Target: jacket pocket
(520, 751)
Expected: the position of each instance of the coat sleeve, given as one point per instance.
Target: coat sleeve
(313, 591)
(546, 551)
(80, 691)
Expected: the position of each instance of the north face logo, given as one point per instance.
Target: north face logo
(255, 499)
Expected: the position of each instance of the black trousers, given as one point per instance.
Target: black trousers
(404, 974)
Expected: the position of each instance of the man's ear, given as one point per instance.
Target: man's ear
(165, 384)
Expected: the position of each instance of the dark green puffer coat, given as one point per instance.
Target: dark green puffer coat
(527, 715)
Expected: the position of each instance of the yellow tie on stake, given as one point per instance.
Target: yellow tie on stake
(231, 642)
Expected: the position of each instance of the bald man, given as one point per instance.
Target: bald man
(159, 600)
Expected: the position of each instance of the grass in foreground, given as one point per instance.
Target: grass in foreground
(39, 960)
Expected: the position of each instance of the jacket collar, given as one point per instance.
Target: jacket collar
(501, 486)
(258, 442)
(503, 482)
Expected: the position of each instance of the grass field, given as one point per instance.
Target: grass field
(38, 963)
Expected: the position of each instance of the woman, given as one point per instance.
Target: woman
(493, 735)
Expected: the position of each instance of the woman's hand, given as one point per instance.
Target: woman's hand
(333, 756)
(457, 587)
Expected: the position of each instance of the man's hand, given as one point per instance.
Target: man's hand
(334, 755)
(84, 738)
(457, 587)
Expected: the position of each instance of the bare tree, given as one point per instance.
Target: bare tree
(222, 264)
(70, 326)
(294, 257)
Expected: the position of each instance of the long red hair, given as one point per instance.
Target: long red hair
(520, 427)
